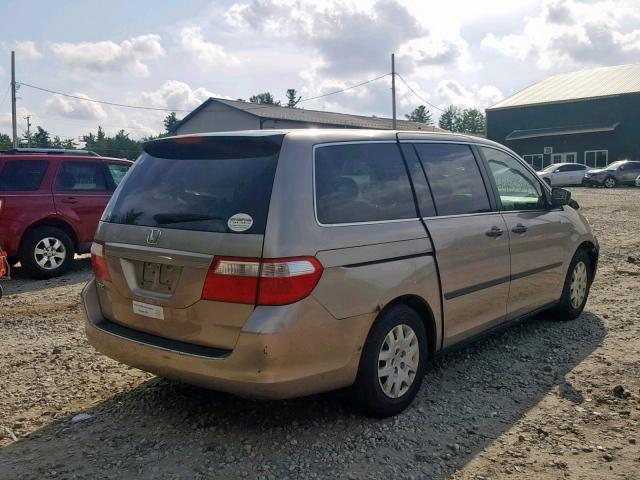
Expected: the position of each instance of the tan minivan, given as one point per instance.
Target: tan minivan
(276, 264)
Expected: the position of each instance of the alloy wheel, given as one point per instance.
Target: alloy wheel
(50, 253)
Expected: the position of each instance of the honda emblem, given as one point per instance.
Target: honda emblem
(154, 236)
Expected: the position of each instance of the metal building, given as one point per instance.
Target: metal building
(222, 115)
(590, 117)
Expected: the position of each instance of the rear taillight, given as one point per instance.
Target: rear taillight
(267, 282)
(99, 261)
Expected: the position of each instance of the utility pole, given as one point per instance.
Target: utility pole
(393, 89)
(14, 123)
(27, 118)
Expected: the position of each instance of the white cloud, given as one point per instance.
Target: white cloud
(27, 50)
(175, 95)
(569, 34)
(452, 92)
(74, 108)
(127, 56)
(192, 40)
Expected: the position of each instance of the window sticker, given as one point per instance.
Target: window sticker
(240, 222)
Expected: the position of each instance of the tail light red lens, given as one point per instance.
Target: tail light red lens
(99, 261)
(267, 282)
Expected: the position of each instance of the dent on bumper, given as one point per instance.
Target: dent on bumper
(311, 352)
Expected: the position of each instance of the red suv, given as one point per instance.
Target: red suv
(50, 205)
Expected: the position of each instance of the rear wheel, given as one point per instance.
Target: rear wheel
(609, 182)
(392, 364)
(576, 287)
(46, 252)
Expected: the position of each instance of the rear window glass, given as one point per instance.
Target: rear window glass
(117, 172)
(362, 183)
(222, 184)
(22, 175)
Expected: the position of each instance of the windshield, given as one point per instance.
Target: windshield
(550, 168)
(225, 188)
(614, 165)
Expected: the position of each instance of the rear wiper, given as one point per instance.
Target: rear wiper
(166, 218)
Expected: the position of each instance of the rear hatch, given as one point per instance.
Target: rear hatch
(186, 201)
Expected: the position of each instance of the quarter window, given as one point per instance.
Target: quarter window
(364, 182)
(81, 176)
(517, 188)
(22, 175)
(117, 172)
(454, 178)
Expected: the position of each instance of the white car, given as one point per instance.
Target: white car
(563, 174)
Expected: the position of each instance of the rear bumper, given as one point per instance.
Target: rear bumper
(282, 352)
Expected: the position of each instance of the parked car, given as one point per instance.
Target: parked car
(638, 181)
(281, 264)
(562, 174)
(50, 204)
(622, 172)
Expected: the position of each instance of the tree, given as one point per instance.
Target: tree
(170, 122)
(264, 98)
(420, 115)
(450, 118)
(5, 141)
(119, 145)
(40, 139)
(292, 101)
(472, 121)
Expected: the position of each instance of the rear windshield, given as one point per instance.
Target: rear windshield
(22, 175)
(217, 184)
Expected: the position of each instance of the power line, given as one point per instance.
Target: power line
(414, 92)
(141, 107)
(344, 89)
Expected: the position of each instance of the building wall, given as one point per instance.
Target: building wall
(623, 143)
(218, 117)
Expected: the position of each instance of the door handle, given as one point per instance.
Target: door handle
(519, 228)
(70, 200)
(495, 232)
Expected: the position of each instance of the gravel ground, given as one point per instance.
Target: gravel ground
(542, 399)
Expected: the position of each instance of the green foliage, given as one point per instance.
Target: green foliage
(120, 145)
(292, 101)
(5, 141)
(420, 115)
(264, 98)
(170, 122)
(469, 120)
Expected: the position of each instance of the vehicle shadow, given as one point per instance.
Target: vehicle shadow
(165, 429)
(21, 282)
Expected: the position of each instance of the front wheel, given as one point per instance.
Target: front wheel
(609, 182)
(46, 252)
(576, 287)
(393, 363)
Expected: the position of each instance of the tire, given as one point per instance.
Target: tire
(13, 261)
(51, 240)
(609, 182)
(570, 308)
(379, 396)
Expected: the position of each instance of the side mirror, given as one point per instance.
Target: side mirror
(560, 197)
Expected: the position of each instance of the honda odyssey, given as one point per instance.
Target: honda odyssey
(276, 264)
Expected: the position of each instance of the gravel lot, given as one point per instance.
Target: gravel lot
(542, 399)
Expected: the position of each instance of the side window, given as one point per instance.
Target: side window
(81, 176)
(454, 177)
(425, 201)
(517, 187)
(22, 175)
(364, 182)
(117, 172)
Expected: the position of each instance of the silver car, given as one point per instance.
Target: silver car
(562, 174)
(276, 264)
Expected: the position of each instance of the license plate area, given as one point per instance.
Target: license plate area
(157, 277)
(148, 310)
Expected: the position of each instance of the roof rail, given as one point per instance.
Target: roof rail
(50, 151)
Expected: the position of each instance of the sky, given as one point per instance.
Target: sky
(174, 55)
